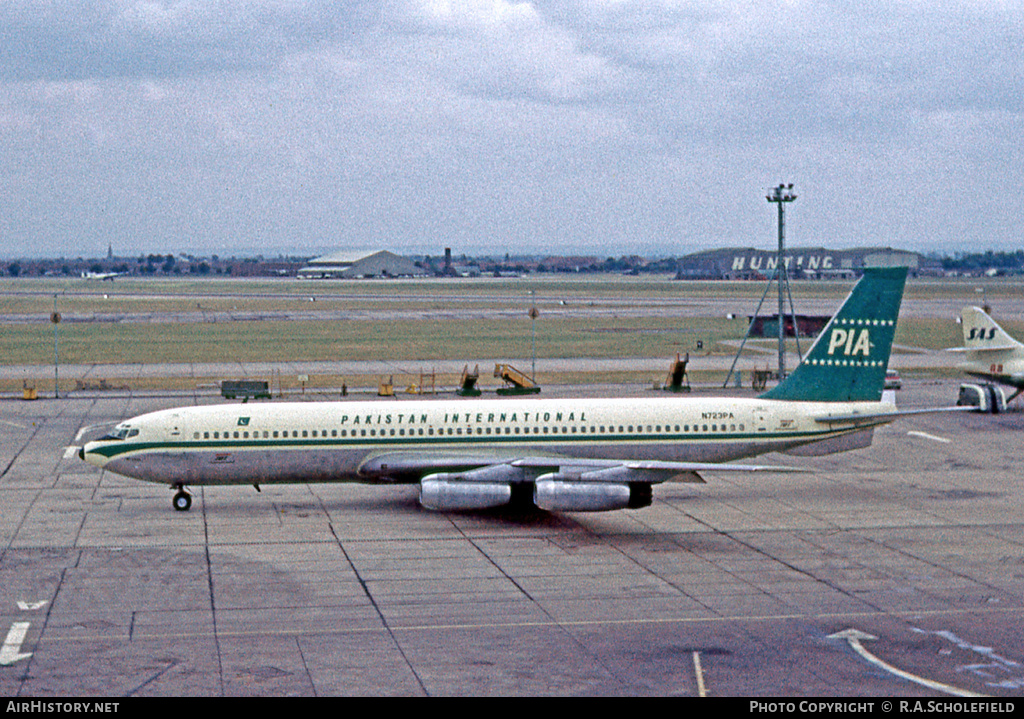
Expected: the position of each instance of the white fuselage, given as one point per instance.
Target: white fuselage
(1003, 366)
(339, 441)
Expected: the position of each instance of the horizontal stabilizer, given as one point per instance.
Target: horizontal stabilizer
(885, 417)
(987, 348)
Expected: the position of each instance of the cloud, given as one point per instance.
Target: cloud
(590, 124)
(91, 39)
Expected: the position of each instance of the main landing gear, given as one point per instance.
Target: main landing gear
(182, 500)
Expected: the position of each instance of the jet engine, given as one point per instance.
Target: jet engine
(556, 494)
(481, 488)
(567, 491)
(448, 492)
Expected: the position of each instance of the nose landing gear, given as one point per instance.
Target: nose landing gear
(182, 500)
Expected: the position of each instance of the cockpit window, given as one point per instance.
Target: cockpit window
(120, 433)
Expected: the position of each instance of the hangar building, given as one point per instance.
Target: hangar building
(367, 263)
(801, 262)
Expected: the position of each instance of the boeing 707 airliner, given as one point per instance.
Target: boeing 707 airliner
(560, 454)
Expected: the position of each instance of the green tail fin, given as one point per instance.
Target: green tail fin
(847, 362)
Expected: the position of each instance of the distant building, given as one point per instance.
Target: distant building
(808, 325)
(807, 262)
(354, 264)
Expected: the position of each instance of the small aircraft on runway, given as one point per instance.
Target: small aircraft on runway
(102, 276)
(992, 354)
(558, 454)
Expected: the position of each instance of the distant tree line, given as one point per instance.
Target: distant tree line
(169, 264)
(1010, 262)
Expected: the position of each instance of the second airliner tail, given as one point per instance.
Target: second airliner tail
(981, 333)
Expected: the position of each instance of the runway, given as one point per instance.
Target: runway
(907, 555)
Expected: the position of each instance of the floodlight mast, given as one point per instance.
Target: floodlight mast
(780, 196)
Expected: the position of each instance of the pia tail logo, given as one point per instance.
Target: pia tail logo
(850, 342)
(981, 333)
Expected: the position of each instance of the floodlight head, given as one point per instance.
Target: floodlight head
(781, 194)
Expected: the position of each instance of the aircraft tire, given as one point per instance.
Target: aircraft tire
(182, 501)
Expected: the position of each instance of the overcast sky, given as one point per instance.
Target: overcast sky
(592, 127)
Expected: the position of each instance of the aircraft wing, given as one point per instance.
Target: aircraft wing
(563, 484)
(645, 470)
(414, 466)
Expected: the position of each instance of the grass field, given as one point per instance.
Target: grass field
(215, 320)
(400, 340)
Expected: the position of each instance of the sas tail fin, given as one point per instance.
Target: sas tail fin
(981, 333)
(847, 361)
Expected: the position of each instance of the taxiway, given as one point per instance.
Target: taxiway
(764, 585)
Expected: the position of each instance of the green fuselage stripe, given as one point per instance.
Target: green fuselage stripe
(119, 447)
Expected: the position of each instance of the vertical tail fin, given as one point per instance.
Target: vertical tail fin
(847, 361)
(982, 333)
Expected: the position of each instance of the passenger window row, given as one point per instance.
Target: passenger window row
(458, 431)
